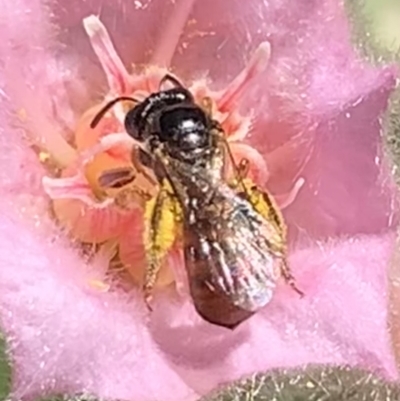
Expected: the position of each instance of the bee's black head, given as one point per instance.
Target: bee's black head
(171, 117)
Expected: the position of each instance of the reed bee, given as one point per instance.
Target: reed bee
(232, 235)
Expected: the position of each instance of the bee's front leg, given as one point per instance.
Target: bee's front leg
(161, 216)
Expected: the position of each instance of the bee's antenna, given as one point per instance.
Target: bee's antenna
(108, 106)
(171, 79)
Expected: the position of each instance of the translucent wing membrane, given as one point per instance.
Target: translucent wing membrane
(233, 254)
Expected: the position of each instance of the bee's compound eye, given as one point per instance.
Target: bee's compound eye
(132, 124)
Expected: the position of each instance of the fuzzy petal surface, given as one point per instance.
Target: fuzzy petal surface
(317, 115)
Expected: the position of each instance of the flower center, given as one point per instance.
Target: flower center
(99, 196)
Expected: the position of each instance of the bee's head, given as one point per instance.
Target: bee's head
(141, 122)
(171, 118)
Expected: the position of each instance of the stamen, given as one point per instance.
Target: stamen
(75, 187)
(106, 143)
(238, 86)
(117, 76)
(171, 33)
(236, 126)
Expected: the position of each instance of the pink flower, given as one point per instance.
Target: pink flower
(316, 109)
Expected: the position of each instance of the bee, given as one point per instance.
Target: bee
(233, 236)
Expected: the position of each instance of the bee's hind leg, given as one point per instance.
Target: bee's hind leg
(159, 237)
(289, 279)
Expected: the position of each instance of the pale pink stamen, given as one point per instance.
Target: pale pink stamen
(117, 76)
(238, 86)
(75, 187)
(171, 33)
(284, 200)
(118, 139)
(240, 133)
(106, 143)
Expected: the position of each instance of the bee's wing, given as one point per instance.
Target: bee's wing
(233, 259)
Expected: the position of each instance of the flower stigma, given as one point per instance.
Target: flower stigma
(101, 194)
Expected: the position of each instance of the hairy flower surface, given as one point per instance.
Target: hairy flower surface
(294, 98)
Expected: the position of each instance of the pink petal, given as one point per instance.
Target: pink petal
(285, 200)
(315, 95)
(30, 76)
(68, 336)
(346, 190)
(172, 31)
(341, 315)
